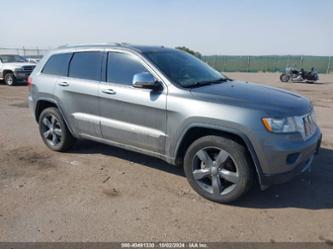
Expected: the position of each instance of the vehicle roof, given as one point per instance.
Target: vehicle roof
(137, 48)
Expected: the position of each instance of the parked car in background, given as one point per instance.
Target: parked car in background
(15, 69)
(168, 104)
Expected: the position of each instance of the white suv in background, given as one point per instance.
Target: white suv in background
(15, 69)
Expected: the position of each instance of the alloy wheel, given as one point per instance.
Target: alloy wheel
(51, 130)
(9, 80)
(215, 171)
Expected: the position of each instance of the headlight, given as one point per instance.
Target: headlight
(305, 125)
(280, 125)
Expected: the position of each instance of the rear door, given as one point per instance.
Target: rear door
(78, 92)
(131, 116)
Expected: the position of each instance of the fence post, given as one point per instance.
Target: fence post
(248, 63)
(274, 64)
(329, 65)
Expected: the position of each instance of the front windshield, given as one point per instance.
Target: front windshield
(12, 58)
(182, 68)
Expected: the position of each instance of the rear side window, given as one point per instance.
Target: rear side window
(86, 65)
(122, 67)
(57, 64)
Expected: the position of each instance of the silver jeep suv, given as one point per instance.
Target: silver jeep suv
(166, 103)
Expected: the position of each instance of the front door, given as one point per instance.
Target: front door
(131, 116)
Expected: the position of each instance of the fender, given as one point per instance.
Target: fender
(232, 131)
(53, 101)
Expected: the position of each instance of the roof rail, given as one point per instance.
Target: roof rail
(93, 44)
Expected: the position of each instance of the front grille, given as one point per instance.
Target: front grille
(27, 70)
(309, 126)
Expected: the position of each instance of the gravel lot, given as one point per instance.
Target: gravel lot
(101, 193)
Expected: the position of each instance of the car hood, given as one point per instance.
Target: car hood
(274, 101)
(14, 65)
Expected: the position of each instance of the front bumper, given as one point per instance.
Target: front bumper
(21, 76)
(303, 163)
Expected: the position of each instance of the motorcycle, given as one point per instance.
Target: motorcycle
(296, 75)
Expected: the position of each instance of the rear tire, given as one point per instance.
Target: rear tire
(284, 78)
(9, 79)
(224, 174)
(54, 131)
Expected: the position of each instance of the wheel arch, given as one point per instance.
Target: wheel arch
(43, 103)
(5, 71)
(197, 131)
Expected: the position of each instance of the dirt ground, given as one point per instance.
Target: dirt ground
(101, 193)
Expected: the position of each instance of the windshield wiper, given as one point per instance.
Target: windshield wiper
(209, 82)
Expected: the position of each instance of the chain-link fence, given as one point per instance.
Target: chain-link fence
(226, 63)
(29, 52)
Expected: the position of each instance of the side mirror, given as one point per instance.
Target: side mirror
(145, 80)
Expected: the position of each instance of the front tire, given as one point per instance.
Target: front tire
(284, 78)
(54, 131)
(218, 168)
(9, 79)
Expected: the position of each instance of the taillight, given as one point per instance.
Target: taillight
(29, 83)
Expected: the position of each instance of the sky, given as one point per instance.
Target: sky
(225, 27)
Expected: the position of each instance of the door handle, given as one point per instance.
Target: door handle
(109, 91)
(63, 84)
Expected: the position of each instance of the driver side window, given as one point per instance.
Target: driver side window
(121, 68)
